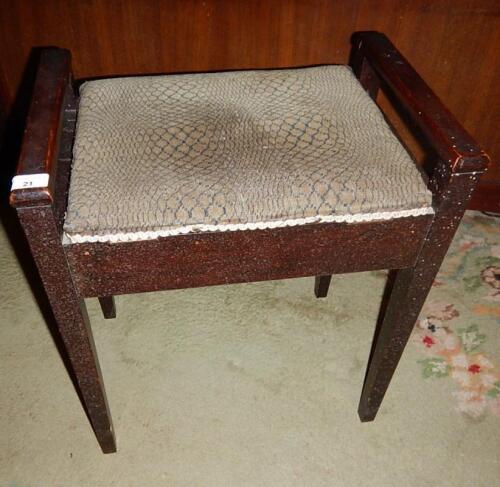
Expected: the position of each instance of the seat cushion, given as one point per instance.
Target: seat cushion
(162, 155)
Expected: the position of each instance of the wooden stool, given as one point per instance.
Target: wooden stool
(165, 182)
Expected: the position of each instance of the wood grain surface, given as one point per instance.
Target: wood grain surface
(453, 44)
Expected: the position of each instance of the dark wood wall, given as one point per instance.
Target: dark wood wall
(454, 44)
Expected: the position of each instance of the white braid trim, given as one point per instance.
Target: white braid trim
(231, 227)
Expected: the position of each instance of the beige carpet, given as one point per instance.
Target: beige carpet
(258, 385)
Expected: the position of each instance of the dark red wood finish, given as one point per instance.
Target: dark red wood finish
(108, 306)
(207, 259)
(40, 150)
(415, 246)
(454, 44)
(321, 286)
(47, 148)
(456, 173)
(40, 227)
(412, 286)
(371, 83)
(445, 134)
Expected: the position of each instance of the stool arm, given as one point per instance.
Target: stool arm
(445, 134)
(40, 147)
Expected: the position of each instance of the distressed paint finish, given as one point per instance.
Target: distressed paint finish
(47, 149)
(455, 177)
(207, 259)
(411, 287)
(62, 163)
(448, 138)
(69, 310)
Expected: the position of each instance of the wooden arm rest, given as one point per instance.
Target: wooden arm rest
(442, 130)
(39, 149)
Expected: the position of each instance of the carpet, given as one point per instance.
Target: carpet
(258, 384)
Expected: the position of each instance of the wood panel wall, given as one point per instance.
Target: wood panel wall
(454, 44)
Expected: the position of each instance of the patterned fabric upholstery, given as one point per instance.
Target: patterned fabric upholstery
(162, 155)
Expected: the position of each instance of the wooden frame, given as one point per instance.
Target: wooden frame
(413, 247)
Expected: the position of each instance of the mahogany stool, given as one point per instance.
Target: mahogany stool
(149, 183)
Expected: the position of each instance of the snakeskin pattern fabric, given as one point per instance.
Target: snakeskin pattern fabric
(167, 154)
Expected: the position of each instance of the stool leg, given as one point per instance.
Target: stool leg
(405, 302)
(108, 306)
(39, 225)
(410, 288)
(321, 286)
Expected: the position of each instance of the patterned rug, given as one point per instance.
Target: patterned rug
(258, 384)
(456, 330)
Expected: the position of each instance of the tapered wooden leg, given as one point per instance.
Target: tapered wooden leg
(321, 286)
(410, 289)
(108, 306)
(405, 302)
(69, 310)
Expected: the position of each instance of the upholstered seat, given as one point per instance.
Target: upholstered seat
(221, 156)
(163, 155)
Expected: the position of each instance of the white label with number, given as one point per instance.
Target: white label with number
(27, 181)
